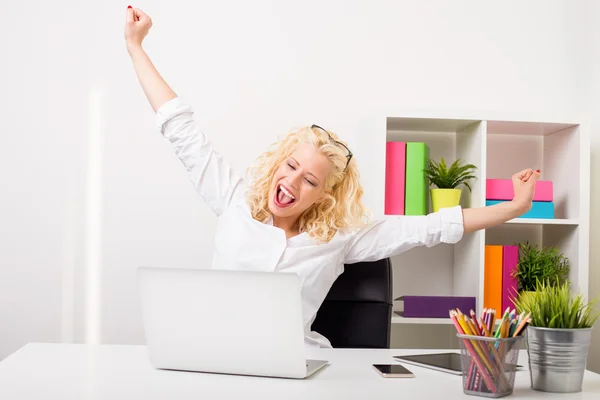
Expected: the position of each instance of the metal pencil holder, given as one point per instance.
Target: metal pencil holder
(488, 364)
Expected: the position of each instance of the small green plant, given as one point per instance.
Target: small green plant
(553, 306)
(545, 265)
(443, 177)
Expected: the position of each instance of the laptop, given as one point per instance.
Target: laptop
(223, 321)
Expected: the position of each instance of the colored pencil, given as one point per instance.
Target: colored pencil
(523, 323)
(474, 318)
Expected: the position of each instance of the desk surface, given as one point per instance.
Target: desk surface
(72, 371)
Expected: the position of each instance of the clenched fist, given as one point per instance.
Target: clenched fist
(524, 189)
(137, 25)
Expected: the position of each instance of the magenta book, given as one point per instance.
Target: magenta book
(502, 189)
(395, 177)
(510, 258)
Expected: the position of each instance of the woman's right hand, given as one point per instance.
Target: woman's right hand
(137, 25)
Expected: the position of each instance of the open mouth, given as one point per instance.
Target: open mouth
(284, 197)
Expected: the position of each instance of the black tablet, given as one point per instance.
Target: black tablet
(445, 362)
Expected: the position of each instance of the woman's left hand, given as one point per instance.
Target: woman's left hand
(524, 188)
(487, 217)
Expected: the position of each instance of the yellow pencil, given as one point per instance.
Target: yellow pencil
(463, 323)
(472, 326)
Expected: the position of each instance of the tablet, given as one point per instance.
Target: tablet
(444, 362)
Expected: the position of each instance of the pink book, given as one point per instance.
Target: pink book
(502, 189)
(510, 258)
(395, 177)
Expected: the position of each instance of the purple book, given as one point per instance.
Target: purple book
(510, 259)
(435, 306)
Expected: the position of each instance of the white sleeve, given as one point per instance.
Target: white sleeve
(212, 177)
(397, 234)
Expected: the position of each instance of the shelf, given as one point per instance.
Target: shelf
(526, 128)
(428, 124)
(397, 319)
(542, 221)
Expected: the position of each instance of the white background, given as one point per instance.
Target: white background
(90, 190)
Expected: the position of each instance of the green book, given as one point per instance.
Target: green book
(417, 189)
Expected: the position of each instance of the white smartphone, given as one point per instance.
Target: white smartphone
(393, 371)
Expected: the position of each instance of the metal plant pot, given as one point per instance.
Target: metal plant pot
(557, 358)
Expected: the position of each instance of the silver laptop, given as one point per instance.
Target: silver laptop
(221, 321)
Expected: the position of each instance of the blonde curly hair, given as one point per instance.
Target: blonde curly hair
(341, 207)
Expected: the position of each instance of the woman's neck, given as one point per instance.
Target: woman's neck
(288, 225)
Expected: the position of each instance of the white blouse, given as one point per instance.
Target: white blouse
(241, 242)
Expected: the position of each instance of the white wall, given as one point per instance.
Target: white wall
(594, 290)
(92, 191)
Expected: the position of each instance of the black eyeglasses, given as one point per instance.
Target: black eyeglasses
(349, 156)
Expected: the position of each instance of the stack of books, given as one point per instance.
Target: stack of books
(499, 286)
(406, 187)
(501, 190)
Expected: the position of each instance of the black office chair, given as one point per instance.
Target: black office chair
(357, 311)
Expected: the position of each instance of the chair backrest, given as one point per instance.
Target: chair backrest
(357, 311)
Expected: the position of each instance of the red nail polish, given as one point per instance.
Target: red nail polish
(537, 170)
(128, 6)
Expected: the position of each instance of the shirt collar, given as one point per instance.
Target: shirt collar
(301, 238)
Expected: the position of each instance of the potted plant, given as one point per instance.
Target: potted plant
(558, 336)
(447, 179)
(545, 265)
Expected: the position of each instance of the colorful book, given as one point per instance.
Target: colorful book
(433, 306)
(395, 171)
(417, 189)
(502, 189)
(539, 209)
(492, 278)
(510, 259)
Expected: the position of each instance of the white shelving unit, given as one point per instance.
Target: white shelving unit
(499, 149)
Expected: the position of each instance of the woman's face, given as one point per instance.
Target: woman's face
(299, 182)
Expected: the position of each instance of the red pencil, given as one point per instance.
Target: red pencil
(474, 318)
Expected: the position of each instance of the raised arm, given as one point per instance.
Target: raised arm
(398, 234)
(211, 176)
(137, 25)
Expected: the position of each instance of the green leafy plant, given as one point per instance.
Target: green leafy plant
(444, 177)
(545, 265)
(554, 307)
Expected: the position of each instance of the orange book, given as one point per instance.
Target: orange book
(492, 279)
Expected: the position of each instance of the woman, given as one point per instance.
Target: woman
(301, 212)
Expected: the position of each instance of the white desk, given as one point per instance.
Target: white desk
(68, 371)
